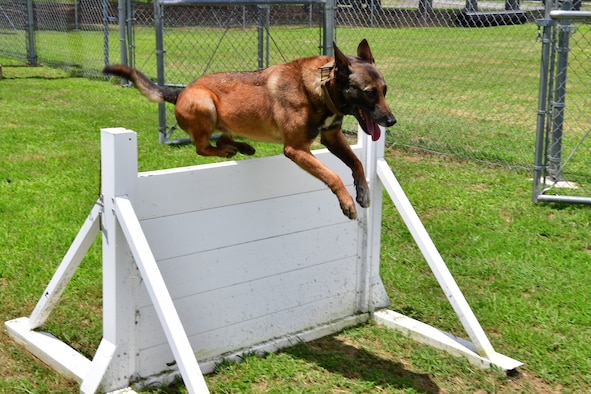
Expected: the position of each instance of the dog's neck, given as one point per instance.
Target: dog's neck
(325, 72)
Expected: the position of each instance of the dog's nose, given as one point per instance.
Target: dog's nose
(390, 121)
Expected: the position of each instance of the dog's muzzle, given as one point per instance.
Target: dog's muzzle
(370, 123)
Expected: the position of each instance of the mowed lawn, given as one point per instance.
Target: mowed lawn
(524, 268)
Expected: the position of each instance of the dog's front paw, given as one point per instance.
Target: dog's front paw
(363, 195)
(349, 210)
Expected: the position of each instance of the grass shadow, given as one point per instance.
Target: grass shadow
(23, 71)
(355, 363)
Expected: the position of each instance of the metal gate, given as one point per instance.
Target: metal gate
(562, 168)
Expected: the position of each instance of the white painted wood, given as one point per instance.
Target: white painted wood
(256, 300)
(49, 349)
(260, 216)
(238, 224)
(173, 328)
(67, 268)
(230, 339)
(431, 336)
(217, 268)
(100, 364)
(374, 295)
(208, 364)
(436, 263)
(258, 238)
(180, 190)
(120, 279)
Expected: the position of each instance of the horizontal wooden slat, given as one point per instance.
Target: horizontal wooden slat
(281, 325)
(295, 291)
(159, 358)
(173, 191)
(181, 235)
(222, 267)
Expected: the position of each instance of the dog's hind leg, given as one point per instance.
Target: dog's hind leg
(306, 160)
(338, 145)
(196, 113)
(203, 146)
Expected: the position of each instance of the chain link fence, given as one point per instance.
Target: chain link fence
(463, 75)
(460, 83)
(13, 36)
(78, 36)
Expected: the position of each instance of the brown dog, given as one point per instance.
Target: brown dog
(290, 104)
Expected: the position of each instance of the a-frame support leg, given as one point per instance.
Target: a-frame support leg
(46, 347)
(480, 351)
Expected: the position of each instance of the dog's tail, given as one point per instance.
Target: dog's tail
(148, 88)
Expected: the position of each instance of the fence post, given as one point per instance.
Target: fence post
(129, 22)
(120, 279)
(555, 155)
(121, 10)
(31, 50)
(425, 7)
(330, 8)
(158, 27)
(471, 5)
(546, 24)
(262, 27)
(106, 33)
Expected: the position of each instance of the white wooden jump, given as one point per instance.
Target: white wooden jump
(208, 262)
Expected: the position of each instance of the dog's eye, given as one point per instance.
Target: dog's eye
(370, 94)
(385, 90)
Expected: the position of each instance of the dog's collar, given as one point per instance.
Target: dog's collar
(324, 80)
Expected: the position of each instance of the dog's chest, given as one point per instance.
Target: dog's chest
(331, 122)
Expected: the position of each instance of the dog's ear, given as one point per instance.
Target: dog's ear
(341, 64)
(364, 53)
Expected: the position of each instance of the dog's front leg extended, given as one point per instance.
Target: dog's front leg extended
(306, 160)
(338, 145)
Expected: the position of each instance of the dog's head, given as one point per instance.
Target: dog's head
(363, 90)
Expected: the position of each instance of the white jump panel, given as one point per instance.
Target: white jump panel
(206, 262)
(251, 251)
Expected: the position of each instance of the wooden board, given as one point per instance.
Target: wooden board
(251, 251)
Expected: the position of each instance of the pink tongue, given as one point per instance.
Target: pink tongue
(373, 128)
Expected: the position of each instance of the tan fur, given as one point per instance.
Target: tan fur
(283, 104)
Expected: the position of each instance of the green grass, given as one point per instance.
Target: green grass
(524, 268)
